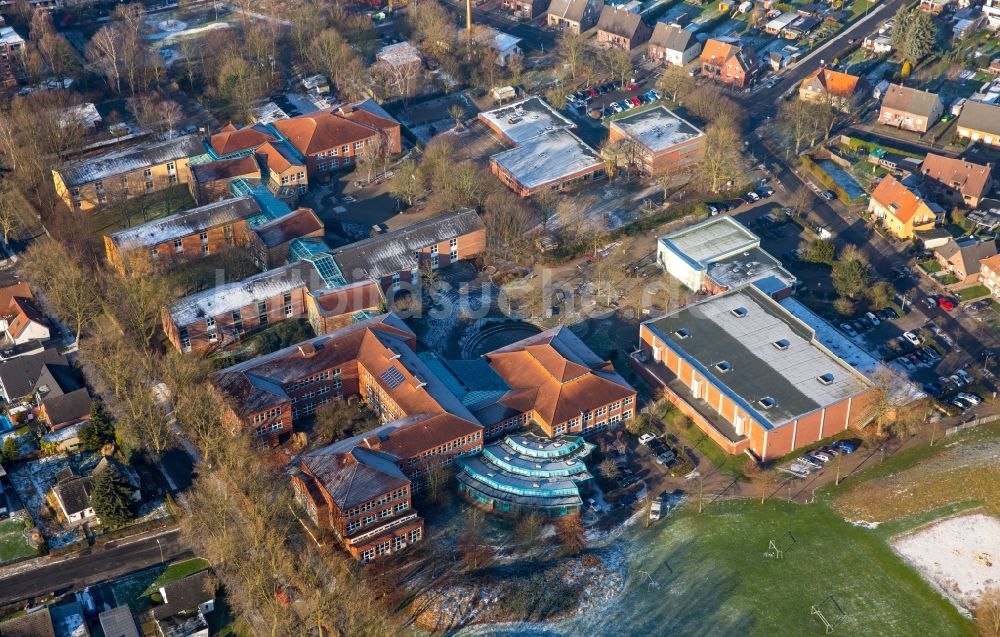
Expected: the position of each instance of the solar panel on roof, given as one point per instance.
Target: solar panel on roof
(392, 377)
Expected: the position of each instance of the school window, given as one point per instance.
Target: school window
(382, 548)
(204, 250)
(398, 543)
(210, 321)
(434, 249)
(75, 192)
(359, 145)
(453, 243)
(322, 154)
(204, 237)
(368, 555)
(369, 519)
(413, 536)
(627, 401)
(353, 526)
(148, 173)
(345, 149)
(178, 245)
(172, 179)
(185, 339)
(284, 180)
(170, 167)
(299, 176)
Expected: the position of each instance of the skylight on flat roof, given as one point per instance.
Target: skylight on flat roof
(781, 343)
(683, 333)
(723, 366)
(739, 312)
(766, 402)
(826, 379)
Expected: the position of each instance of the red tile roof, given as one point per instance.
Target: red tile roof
(317, 132)
(233, 140)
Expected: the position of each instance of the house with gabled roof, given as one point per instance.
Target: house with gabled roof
(729, 62)
(980, 122)
(901, 210)
(962, 257)
(841, 90)
(910, 109)
(622, 29)
(192, 234)
(574, 16)
(956, 181)
(185, 604)
(673, 44)
(36, 622)
(21, 320)
(87, 184)
(529, 9)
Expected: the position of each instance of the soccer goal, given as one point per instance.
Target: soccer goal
(829, 613)
(776, 547)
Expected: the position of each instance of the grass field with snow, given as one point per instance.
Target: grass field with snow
(707, 574)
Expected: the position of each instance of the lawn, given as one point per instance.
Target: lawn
(708, 574)
(931, 266)
(13, 546)
(141, 209)
(973, 292)
(178, 571)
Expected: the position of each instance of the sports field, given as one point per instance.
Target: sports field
(707, 574)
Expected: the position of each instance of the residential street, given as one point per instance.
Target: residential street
(101, 564)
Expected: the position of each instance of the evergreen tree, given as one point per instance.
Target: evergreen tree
(10, 451)
(98, 431)
(112, 497)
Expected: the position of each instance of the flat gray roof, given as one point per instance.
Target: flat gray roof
(711, 240)
(548, 158)
(520, 121)
(658, 129)
(788, 373)
(746, 267)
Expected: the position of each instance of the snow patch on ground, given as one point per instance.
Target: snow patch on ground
(960, 555)
(864, 524)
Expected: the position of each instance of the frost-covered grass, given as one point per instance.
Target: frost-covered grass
(13, 544)
(707, 574)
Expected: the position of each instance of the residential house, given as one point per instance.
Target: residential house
(185, 604)
(192, 234)
(901, 210)
(673, 44)
(11, 55)
(729, 63)
(956, 181)
(841, 90)
(210, 181)
(19, 376)
(777, 24)
(61, 396)
(721, 254)
(991, 9)
(663, 141)
(529, 9)
(754, 375)
(118, 622)
(20, 318)
(962, 257)
(622, 29)
(395, 259)
(362, 496)
(910, 109)
(989, 274)
(574, 16)
(877, 43)
(335, 140)
(36, 622)
(87, 184)
(980, 122)
(72, 494)
(504, 45)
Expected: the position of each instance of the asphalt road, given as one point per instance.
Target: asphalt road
(75, 573)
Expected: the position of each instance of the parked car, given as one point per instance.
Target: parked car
(905, 363)
(751, 197)
(645, 438)
(966, 376)
(635, 101)
(930, 302)
(874, 320)
(960, 403)
(654, 509)
(957, 380)
(912, 338)
(933, 389)
(818, 454)
(971, 398)
(829, 195)
(665, 456)
(810, 462)
(945, 303)
(931, 353)
(847, 329)
(846, 446)
(801, 468)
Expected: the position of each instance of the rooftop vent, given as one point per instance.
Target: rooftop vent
(781, 343)
(683, 332)
(766, 402)
(723, 366)
(826, 379)
(308, 350)
(739, 312)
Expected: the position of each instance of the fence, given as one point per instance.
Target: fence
(970, 424)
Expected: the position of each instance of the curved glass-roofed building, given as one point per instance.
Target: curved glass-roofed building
(527, 475)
